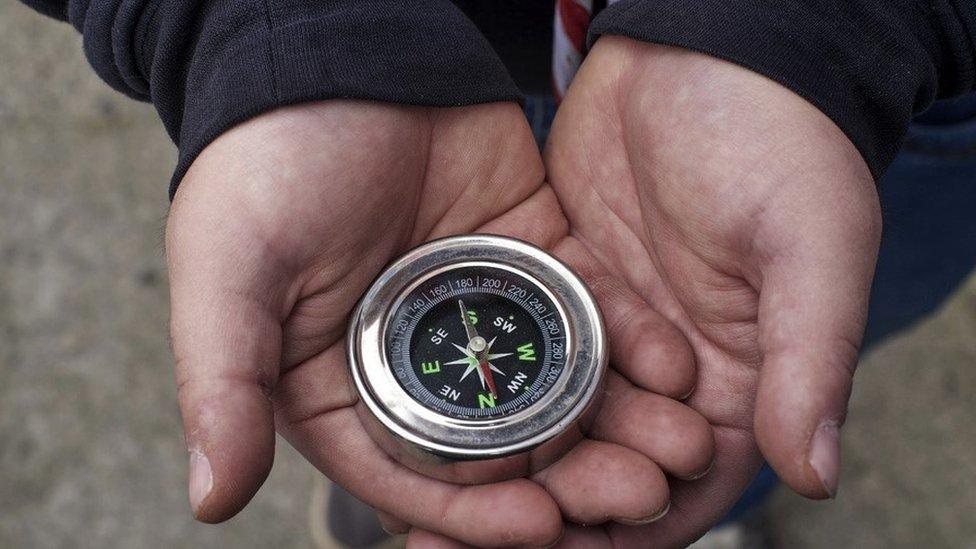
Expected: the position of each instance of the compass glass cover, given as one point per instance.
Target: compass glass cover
(476, 341)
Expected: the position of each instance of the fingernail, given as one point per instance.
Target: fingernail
(646, 520)
(553, 544)
(201, 479)
(390, 531)
(702, 474)
(825, 455)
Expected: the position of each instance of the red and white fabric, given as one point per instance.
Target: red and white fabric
(572, 21)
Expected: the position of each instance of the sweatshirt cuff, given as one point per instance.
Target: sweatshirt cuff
(869, 65)
(210, 65)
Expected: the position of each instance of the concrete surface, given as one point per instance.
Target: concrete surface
(909, 471)
(90, 445)
(91, 451)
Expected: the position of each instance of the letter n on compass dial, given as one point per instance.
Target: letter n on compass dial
(477, 342)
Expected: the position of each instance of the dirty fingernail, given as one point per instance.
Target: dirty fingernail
(201, 479)
(391, 525)
(646, 520)
(703, 473)
(825, 455)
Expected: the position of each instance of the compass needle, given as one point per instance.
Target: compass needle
(466, 320)
(485, 370)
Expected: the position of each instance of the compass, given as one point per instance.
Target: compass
(472, 354)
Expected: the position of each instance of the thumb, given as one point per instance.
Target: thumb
(226, 338)
(812, 311)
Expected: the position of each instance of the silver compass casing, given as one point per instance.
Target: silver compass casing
(476, 451)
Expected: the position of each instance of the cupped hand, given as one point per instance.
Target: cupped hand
(748, 219)
(274, 234)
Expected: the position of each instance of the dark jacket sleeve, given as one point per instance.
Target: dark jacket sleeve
(209, 64)
(867, 64)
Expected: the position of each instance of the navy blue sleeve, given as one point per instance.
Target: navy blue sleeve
(869, 65)
(207, 65)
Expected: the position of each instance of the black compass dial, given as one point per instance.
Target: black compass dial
(477, 342)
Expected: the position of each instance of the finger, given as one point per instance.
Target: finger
(321, 424)
(813, 306)
(668, 432)
(697, 506)
(226, 341)
(424, 539)
(599, 481)
(391, 524)
(644, 346)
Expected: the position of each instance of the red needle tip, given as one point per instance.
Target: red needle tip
(486, 371)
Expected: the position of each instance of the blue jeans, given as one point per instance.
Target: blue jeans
(928, 196)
